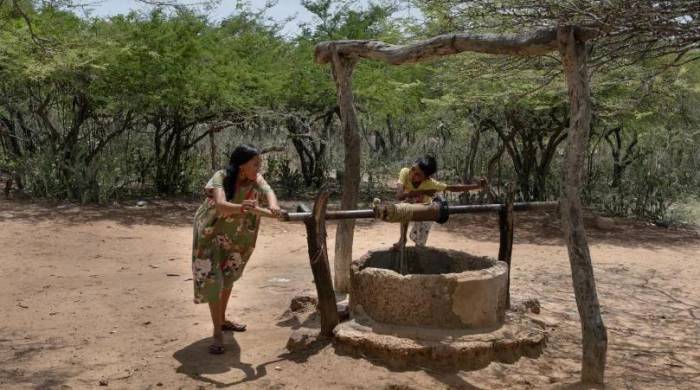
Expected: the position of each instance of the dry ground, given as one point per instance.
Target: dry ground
(96, 294)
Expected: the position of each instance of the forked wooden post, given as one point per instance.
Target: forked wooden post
(342, 67)
(574, 56)
(505, 225)
(318, 255)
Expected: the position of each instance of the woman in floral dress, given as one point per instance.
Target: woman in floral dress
(225, 231)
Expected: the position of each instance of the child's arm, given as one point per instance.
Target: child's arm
(467, 187)
(402, 194)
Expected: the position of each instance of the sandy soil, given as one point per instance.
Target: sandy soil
(104, 294)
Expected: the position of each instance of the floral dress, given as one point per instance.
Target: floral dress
(222, 245)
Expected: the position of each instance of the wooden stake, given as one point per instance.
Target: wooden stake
(505, 225)
(318, 255)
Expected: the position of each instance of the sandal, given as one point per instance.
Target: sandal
(216, 349)
(233, 326)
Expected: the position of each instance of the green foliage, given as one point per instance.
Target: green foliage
(99, 109)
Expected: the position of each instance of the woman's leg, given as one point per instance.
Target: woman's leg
(229, 325)
(225, 295)
(216, 319)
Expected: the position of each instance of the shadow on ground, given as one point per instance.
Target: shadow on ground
(197, 363)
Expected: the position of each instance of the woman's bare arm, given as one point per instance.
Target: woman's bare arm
(225, 207)
(269, 195)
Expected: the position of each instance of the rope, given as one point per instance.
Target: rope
(397, 212)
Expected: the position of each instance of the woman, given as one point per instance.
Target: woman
(225, 231)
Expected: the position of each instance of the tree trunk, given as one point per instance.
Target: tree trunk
(343, 67)
(470, 161)
(214, 153)
(595, 339)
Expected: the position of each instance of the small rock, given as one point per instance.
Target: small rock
(278, 368)
(343, 310)
(147, 323)
(159, 384)
(112, 331)
(302, 338)
(302, 302)
(23, 306)
(159, 356)
(104, 382)
(141, 203)
(528, 304)
(172, 274)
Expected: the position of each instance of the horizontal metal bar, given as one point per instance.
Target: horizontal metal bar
(350, 214)
(461, 209)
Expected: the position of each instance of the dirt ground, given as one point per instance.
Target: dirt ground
(94, 294)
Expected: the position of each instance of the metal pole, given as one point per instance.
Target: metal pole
(464, 209)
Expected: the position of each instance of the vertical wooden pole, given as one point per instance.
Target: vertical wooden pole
(595, 338)
(505, 225)
(318, 255)
(343, 67)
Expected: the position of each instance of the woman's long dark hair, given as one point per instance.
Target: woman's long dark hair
(241, 155)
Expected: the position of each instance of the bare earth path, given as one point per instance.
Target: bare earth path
(102, 294)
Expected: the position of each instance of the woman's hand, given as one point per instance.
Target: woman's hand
(276, 210)
(248, 205)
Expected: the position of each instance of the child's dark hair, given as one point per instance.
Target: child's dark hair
(427, 164)
(241, 155)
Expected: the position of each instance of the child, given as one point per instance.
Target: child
(225, 231)
(416, 185)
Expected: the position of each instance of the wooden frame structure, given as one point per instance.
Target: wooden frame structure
(570, 41)
(315, 221)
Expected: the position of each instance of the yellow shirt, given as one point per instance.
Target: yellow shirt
(425, 185)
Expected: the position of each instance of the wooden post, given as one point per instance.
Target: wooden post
(318, 255)
(505, 225)
(595, 338)
(343, 67)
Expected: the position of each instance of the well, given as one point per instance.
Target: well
(442, 288)
(447, 311)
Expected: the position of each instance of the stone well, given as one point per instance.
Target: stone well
(442, 288)
(448, 311)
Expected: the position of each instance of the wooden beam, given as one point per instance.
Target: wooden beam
(318, 256)
(528, 44)
(595, 338)
(505, 225)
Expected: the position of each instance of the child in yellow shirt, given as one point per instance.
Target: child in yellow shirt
(416, 185)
